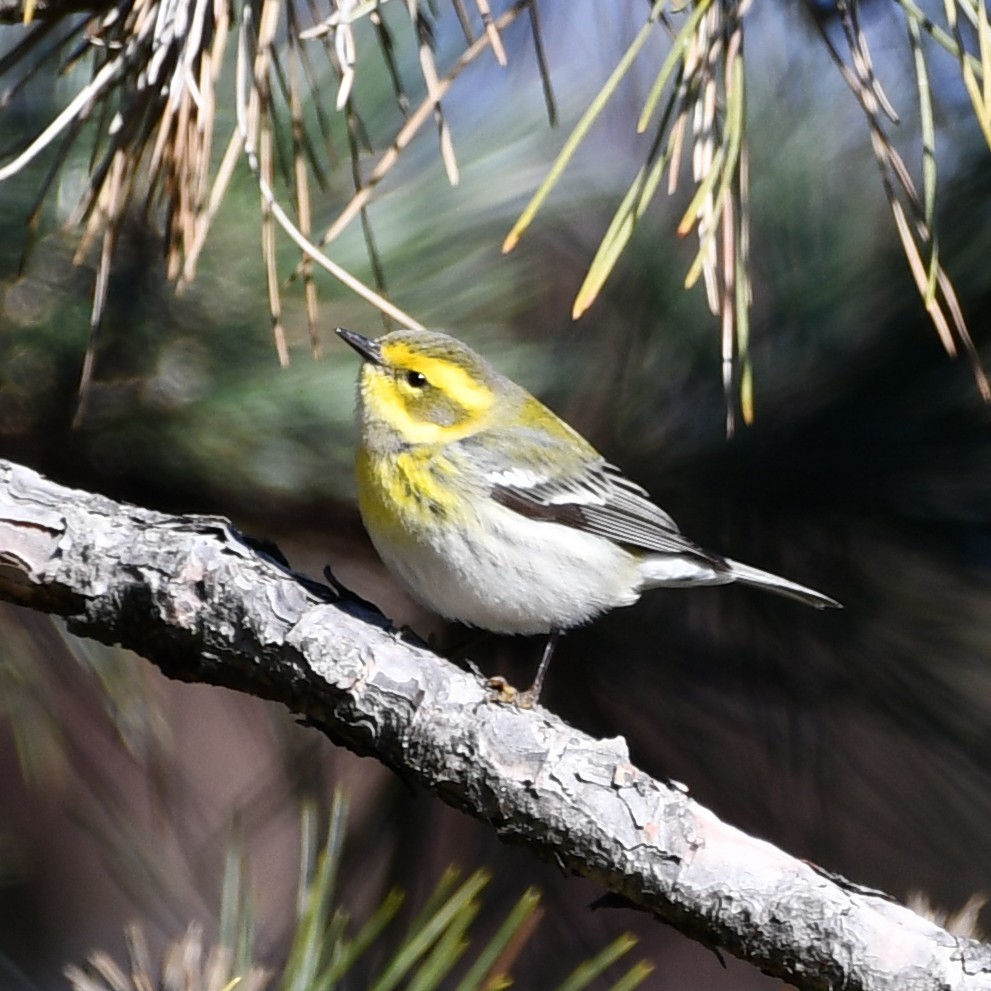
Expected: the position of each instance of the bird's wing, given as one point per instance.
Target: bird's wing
(589, 494)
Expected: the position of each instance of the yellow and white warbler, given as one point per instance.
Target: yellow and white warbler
(493, 512)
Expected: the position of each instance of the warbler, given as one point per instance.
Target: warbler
(494, 512)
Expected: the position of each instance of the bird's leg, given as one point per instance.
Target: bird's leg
(528, 699)
(502, 691)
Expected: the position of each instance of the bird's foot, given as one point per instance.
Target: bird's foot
(502, 691)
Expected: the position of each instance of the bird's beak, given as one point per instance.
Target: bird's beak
(368, 349)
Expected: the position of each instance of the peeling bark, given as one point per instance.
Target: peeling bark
(190, 594)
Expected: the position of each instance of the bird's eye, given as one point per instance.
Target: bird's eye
(416, 379)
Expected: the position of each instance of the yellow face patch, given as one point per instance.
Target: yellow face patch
(425, 399)
(451, 379)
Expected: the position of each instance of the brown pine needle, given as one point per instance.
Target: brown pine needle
(495, 39)
(412, 126)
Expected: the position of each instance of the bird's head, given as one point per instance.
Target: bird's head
(422, 387)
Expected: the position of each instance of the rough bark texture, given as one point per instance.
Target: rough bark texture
(191, 595)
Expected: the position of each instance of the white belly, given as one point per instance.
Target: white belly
(517, 575)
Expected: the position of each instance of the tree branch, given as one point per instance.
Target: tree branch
(192, 595)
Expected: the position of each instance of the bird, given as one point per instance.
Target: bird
(493, 512)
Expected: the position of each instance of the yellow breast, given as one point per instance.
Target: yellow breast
(404, 497)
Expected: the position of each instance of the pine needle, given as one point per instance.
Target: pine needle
(582, 129)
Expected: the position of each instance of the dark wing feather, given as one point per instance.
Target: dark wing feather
(597, 499)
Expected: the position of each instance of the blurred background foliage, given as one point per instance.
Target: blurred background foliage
(859, 740)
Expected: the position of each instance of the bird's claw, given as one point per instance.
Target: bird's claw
(502, 691)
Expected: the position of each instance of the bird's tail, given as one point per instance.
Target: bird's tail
(774, 583)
